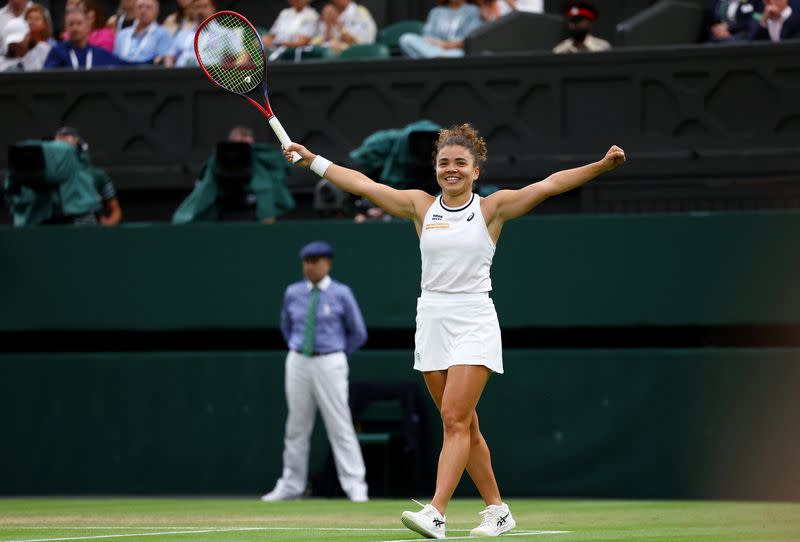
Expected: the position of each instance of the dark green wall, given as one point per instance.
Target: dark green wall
(636, 423)
(701, 269)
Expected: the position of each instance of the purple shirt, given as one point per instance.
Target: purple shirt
(339, 326)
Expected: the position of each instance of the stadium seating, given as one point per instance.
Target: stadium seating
(390, 36)
(517, 31)
(669, 22)
(365, 51)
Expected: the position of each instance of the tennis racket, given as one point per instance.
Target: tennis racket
(231, 54)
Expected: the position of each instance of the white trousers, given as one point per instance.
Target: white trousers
(311, 382)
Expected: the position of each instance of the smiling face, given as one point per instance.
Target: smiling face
(456, 170)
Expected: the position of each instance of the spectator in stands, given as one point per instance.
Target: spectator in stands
(181, 54)
(14, 44)
(294, 27)
(27, 42)
(322, 325)
(581, 17)
(124, 17)
(264, 198)
(445, 29)
(180, 19)
(531, 6)
(76, 53)
(730, 20)
(344, 23)
(15, 9)
(111, 212)
(99, 36)
(145, 39)
(40, 26)
(778, 22)
(493, 9)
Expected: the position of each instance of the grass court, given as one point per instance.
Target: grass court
(249, 520)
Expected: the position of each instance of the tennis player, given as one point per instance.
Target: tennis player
(458, 336)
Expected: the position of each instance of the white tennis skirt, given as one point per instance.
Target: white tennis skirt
(457, 329)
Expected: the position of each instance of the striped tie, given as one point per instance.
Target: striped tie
(311, 322)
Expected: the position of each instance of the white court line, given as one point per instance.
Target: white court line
(504, 535)
(204, 531)
(242, 529)
(192, 529)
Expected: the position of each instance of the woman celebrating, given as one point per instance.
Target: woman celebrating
(457, 342)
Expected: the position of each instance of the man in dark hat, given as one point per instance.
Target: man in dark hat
(111, 214)
(581, 17)
(322, 325)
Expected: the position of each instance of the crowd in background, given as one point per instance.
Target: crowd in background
(134, 35)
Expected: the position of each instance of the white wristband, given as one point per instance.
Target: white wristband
(320, 165)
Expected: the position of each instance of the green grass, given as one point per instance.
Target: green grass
(245, 520)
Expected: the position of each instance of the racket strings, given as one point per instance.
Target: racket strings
(231, 53)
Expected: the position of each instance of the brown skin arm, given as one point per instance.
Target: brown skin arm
(505, 205)
(114, 215)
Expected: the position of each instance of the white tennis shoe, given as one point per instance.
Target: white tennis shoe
(280, 494)
(495, 520)
(428, 522)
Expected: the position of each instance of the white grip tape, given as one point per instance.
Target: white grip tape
(277, 127)
(320, 165)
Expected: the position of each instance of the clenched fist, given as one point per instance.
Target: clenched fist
(614, 158)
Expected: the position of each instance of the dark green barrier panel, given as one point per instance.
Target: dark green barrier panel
(635, 423)
(703, 269)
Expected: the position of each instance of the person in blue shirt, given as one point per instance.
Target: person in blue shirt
(445, 29)
(145, 39)
(322, 325)
(76, 53)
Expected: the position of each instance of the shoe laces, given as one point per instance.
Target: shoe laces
(491, 515)
(429, 509)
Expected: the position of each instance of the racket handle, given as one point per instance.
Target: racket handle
(277, 127)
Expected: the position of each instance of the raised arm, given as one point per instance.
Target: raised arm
(504, 205)
(410, 204)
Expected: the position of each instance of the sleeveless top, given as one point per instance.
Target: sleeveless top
(456, 249)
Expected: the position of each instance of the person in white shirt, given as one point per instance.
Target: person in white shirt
(457, 341)
(145, 40)
(495, 9)
(181, 53)
(294, 27)
(778, 22)
(344, 23)
(27, 42)
(15, 9)
(580, 21)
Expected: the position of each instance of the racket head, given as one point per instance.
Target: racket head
(231, 54)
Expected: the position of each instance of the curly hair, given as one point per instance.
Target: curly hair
(465, 136)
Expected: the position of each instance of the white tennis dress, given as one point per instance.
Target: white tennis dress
(456, 319)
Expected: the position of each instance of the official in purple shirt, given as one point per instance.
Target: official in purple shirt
(339, 326)
(322, 325)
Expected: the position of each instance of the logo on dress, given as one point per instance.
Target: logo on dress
(437, 217)
(470, 217)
